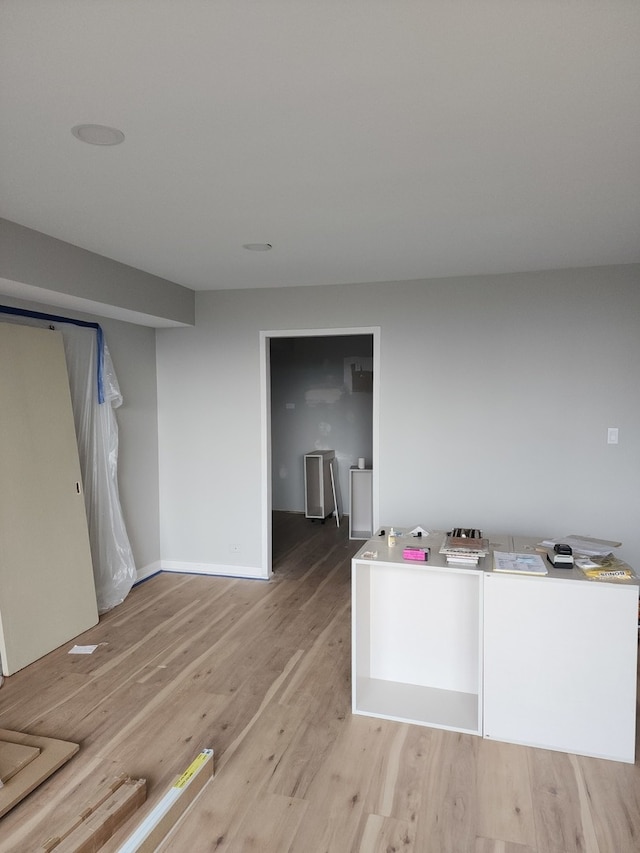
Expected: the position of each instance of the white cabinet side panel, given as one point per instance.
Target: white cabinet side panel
(360, 503)
(560, 664)
(360, 624)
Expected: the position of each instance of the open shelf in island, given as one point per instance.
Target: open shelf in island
(417, 643)
(414, 703)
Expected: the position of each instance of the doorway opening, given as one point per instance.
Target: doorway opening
(320, 390)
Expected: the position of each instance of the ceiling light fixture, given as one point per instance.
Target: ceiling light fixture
(97, 134)
(257, 247)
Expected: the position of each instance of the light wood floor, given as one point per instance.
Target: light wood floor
(260, 672)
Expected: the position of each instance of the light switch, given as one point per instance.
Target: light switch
(612, 435)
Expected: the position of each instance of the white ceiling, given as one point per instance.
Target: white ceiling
(367, 140)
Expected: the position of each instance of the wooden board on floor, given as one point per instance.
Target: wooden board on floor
(53, 754)
(13, 757)
(99, 822)
(91, 805)
(154, 828)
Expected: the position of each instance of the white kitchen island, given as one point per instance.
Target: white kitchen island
(546, 661)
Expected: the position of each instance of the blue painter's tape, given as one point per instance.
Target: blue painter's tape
(54, 318)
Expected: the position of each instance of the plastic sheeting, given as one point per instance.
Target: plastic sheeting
(92, 379)
(97, 433)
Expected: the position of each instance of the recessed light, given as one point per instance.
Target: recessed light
(98, 134)
(257, 247)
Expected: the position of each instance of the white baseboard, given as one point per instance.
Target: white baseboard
(148, 571)
(213, 569)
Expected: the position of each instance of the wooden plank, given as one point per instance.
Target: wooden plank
(13, 757)
(53, 754)
(608, 818)
(383, 834)
(554, 781)
(97, 799)
(503, 777)
(161, 820)
(106, 819)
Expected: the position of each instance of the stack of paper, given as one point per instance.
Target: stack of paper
(522, 564)
(464, 550)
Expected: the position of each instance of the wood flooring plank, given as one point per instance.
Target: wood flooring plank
(324, 674)
(124, 663)
(449, 796)
(386, 835)
(338, 794)
(400, 789)
(310, 745)
(505, 807)
(610, 800)
(17, 697)
(555, 790)
(262, 712)
(490, 845)
(385, 778)
(143, 601)
(269, 825)
(319, 689)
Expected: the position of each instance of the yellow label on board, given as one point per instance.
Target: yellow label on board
(183, 780)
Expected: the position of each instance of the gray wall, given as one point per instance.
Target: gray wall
(132, 350)
(65, 272)
(315, 405)
(495, 398)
